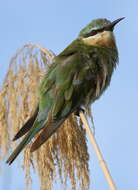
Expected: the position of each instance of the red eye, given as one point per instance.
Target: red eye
(93, 32)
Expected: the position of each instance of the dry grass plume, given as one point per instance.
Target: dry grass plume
(65, 154)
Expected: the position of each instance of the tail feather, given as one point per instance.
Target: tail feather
(35, 129)
(18, 149)
(27, 126)
(46, 133)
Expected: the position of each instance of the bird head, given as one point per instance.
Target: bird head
(99, 33)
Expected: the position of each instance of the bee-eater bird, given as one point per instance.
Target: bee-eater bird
(77, 77)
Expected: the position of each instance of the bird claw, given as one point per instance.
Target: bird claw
(78, 110)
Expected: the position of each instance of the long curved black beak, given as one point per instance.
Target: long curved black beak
(110, 27)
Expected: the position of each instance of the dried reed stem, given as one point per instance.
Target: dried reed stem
(98, 152)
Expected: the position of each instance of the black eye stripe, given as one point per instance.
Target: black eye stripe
(94, 32)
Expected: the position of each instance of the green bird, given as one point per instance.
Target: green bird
(76, 78)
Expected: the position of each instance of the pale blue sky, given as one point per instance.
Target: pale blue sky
(54, 24)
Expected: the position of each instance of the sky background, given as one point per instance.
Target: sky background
(54, 24)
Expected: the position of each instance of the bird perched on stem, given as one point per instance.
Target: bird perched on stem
(77, 77)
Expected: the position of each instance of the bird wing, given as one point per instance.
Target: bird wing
(45, 86)
(65, 96)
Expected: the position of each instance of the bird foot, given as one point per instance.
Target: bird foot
(78, 111)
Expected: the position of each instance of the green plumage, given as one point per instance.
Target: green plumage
(77, 77)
